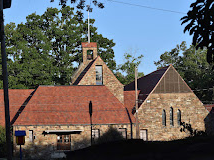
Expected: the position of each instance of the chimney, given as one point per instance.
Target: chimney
(89, 51)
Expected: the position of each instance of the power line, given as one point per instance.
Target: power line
(148, 7)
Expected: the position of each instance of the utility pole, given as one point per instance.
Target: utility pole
(5, 4)
(136, 104)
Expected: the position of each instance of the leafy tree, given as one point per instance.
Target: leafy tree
(43, 51)
(2, 142)
(200, 21)
(128, 68)
(81, 3)
(193, 67)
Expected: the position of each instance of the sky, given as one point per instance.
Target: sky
(133, 25)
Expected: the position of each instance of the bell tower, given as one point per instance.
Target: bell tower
(89, 51)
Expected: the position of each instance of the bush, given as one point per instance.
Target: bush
(3, 146)
(111, 135)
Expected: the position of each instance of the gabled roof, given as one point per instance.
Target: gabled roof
(58, 105)
(147, 83)
(82, 74)
(17, 101)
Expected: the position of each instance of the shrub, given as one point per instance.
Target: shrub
(2, 142)
(112, 134)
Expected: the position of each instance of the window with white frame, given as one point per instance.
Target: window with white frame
(31, 135)
(99, 75)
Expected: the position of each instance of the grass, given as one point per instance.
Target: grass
(189, 148)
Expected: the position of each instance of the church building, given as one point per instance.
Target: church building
(58, 116)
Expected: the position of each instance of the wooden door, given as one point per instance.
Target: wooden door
(64, 142)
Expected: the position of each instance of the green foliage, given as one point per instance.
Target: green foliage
(43, 51)
(2, 142)
(193, 68)
(128, 67)
(200, 23)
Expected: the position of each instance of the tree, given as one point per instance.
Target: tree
(46, 49)
(3, 147)
(200, 21)
(80, 3)
(128, 68)
(193, 68)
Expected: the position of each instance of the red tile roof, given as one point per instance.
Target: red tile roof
(52, 105)
(209, 107)
(129, 101)
(17, 98)
(89, 45)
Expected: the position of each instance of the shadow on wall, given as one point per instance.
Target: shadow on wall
(112, 134)
(187, 128)
(36, 151)
(209, 122)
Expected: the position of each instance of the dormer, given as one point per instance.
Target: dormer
(89, 51)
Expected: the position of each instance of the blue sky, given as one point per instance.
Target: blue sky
(134, 29)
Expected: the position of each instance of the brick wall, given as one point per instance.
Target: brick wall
(150, 115)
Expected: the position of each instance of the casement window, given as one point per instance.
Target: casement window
(164, 117)
(171, 116)
(123, 132)
(95, 134)
(99, 75)
(179, 117)
(31, 137)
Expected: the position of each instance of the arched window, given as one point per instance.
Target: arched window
(171, 116)
(164, 117)
(179, 117)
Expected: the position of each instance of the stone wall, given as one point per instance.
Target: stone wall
(109, 79)
(150, 115)
(49, 141)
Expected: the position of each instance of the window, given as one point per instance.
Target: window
(164, 117)
(99, 75)
(89, 54)
(179, 117)
(123, 132)
(31, 135)
(95, 134)
(171, 116)
(143, 134)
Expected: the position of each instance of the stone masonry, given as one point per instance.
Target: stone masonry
(150, 115)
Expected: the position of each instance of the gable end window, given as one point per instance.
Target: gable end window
(179, 117)
(171, 116)
(99, 75)
(164, 117)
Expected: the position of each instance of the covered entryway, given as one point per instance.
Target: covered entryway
(63, 138)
